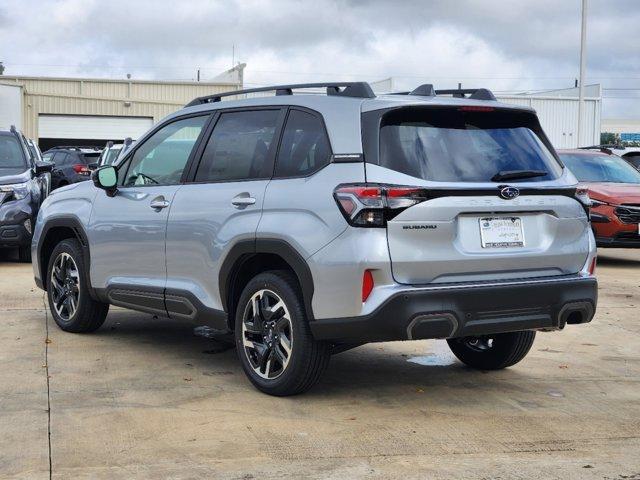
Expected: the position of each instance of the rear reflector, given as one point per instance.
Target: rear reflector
(367, 285)
(592, 266)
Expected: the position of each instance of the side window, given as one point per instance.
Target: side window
(304, 148)
(239, 147)
(60, 159)
(161, 159)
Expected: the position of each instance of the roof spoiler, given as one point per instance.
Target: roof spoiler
(341, 89)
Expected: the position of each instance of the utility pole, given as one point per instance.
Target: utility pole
(583, 66)
(198, 74)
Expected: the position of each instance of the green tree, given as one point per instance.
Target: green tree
(609, 138)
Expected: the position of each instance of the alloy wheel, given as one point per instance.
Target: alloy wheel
(267, 334)
(65, 283)
(478, 344)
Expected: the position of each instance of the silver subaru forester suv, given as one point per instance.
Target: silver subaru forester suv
(305, 224)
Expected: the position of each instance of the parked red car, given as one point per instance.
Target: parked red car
(614, 188)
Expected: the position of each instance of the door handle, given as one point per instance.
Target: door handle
(159, 203)
(243, 200)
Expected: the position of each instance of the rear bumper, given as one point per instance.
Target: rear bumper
(450, 311)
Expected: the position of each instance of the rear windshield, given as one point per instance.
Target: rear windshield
(11, 152)
(600, 168)
(90, 157)
(456, 145)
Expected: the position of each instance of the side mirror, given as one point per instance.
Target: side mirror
(42, 167)
(106, 178)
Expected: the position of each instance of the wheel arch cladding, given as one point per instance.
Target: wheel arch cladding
(250, 257)
(55, 231)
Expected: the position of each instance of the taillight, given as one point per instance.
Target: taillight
(367, 285)
(372, 205)
(582, 195)
(81, 169)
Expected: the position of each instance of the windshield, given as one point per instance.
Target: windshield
(11, 152)
(600, 168)
(456, 145)
(111, 155)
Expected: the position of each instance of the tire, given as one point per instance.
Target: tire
(88, 314)
(24, 254)
(493, 352)
(289, 373)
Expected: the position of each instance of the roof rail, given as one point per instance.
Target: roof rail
(426, 90)
(75, 147)
(600, 147)
(349, 89)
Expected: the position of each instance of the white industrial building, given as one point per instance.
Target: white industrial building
(89, 111)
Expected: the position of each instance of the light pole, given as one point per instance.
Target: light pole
(583, 66)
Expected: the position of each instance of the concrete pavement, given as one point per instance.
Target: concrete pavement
(145, 398)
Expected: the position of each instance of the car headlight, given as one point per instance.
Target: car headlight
(19, 190)
(599, 203)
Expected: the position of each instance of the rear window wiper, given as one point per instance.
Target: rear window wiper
(517, 174)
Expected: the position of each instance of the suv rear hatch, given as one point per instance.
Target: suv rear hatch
(486, 202)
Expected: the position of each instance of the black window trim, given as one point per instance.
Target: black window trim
(273, 148)
(319, 116)
(126, 161)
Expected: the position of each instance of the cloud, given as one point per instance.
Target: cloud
(501, 44)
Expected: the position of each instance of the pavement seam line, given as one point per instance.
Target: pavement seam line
(46, 370)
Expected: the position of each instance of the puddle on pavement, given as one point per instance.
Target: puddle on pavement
(439, 356)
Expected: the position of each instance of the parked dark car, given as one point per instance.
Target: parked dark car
(22, 191)
(72, 164)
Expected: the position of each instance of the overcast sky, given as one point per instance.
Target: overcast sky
(506, 45)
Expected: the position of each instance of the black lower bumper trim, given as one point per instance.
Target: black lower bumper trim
(14, 236)
(469, 310)
(618, 242)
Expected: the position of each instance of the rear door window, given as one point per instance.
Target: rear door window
(459, 145)
(240, 147)
(61, 159)
(304, 148)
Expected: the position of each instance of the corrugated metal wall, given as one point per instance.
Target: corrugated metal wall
(559, 118)
(106, 97)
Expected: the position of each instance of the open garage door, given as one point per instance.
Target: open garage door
(54, 130)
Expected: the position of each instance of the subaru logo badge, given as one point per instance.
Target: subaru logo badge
(509, 193)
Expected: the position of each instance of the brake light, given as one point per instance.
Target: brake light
(475, 108)
(373, 205)
(367, 285)
(81, 169)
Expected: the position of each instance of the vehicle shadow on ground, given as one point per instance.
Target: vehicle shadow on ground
(375, 370)
(9, 255)
(609, 261)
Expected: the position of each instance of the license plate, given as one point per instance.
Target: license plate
(498, 232)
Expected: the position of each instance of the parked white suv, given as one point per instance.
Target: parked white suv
(309, 224)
